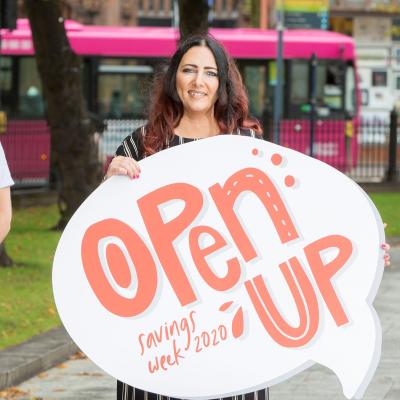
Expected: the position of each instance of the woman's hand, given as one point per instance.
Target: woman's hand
(386, 256)
(386, 248)
(121, 165)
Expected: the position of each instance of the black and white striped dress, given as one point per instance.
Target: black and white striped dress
(132, 146)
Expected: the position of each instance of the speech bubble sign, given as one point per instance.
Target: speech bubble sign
(230, 265)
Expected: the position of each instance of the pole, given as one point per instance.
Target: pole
(392, 174)
(279, 71)
(175, 19)
(313, 89)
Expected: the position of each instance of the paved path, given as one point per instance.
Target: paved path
(79, 379)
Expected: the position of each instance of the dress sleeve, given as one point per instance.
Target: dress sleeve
(132, 145)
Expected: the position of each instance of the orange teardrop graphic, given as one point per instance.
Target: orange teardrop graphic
(238, 324)
(225, 306)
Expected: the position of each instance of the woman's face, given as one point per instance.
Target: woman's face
(197, 80)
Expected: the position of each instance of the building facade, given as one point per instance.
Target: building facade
(375, 26)
(224, 13)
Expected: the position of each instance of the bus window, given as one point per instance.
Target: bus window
(299, 85)
(350, 95)
(329, 87)
(123, 88)
(256, 77)
(30, 98)
(6, 99)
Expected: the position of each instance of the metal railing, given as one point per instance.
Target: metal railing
(369, 152)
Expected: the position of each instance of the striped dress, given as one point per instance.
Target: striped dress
(132, 146)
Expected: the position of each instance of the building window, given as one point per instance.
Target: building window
(379, 78)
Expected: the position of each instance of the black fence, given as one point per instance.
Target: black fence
(366, 151)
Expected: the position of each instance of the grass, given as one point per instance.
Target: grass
(388, 205)
(26, 299)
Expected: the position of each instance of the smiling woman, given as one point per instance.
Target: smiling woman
(200, 94)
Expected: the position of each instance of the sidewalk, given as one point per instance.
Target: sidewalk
(38, 354)
(79, 379)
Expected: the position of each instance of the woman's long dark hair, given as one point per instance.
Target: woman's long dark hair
(231, 109)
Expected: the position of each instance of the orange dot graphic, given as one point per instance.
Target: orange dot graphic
(276, 159)
(289, 181)
(255, 152)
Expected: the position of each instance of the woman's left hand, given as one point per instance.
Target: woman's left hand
(386, 256)
(386, 248)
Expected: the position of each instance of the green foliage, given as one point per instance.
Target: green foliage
(388, 205)
(26, 299)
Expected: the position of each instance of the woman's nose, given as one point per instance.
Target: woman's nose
(199, 78)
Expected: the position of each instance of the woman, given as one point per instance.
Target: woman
(201, 94)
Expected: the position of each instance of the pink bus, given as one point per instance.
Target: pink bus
(119, 63)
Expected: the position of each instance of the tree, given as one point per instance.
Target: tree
(8, 14)
(5, 260)
(193, 17)
(73, 139)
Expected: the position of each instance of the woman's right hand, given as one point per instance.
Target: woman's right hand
(121, 165)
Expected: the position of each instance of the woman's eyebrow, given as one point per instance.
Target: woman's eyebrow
(196, 66)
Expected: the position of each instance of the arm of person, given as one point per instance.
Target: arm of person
(121, 165)
(5, 212)
(126, 157)
(386, 248)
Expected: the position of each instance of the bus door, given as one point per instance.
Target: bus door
(255, 75)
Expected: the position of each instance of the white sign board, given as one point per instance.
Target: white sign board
(231, 264)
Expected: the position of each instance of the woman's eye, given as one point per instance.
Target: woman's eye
(212, 73)
(189, 70)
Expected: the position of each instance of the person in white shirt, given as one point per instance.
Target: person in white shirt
(5, 196)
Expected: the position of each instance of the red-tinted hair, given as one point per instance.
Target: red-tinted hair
(231, 109)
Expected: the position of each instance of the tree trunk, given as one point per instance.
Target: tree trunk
(193, 17)
(73, 139)
(5, 260)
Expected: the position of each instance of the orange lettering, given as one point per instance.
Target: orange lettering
(163, 234)
(323, 273)
(199, 257)
(143, 261)
(253, 180)
(306, 303)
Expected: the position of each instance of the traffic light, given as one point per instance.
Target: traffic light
(8, 14)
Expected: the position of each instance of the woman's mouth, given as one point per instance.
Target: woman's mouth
(196, 93)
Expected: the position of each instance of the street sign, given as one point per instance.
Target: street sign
(306, 20)
(306, 14)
